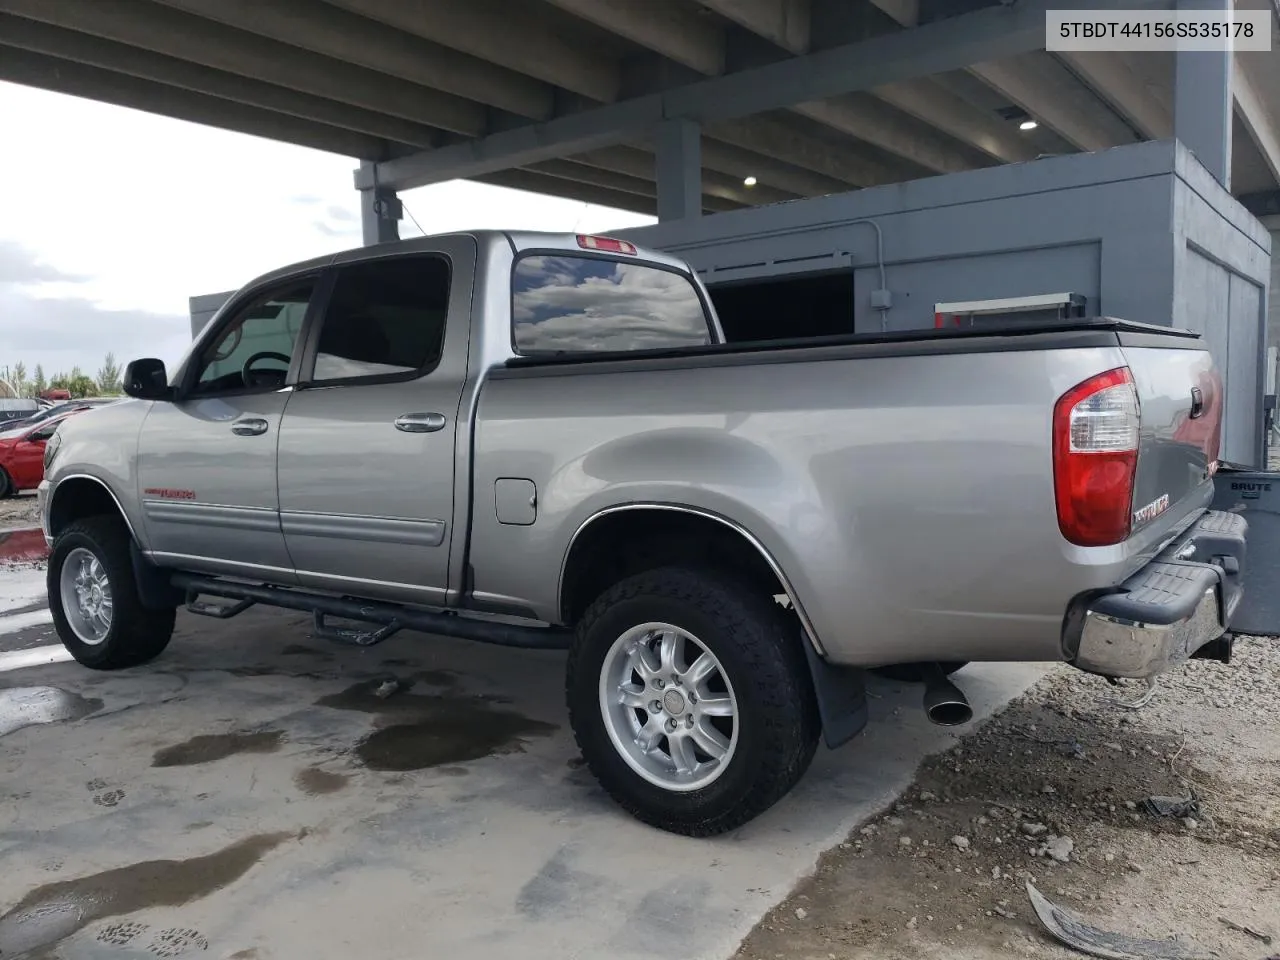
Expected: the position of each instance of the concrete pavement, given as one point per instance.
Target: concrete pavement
(249, 795)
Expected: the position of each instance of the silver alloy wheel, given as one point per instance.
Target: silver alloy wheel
(669, 707)
(86, 596)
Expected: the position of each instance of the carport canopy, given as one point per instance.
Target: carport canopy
(666, 107)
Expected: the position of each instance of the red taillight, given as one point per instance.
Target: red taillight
(607, 245)
(1095, 456)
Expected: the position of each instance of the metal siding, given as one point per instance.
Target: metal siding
(1242, 429)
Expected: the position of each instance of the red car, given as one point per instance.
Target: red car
(22, 455)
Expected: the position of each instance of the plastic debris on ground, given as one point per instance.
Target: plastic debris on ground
(1069, 929)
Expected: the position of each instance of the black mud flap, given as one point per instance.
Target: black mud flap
(1255, 495)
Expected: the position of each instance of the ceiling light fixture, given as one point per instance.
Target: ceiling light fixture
(1028, 125)
(749, 182)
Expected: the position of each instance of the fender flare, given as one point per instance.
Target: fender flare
(805, 623)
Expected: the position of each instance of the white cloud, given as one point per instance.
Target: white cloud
(117, 236)
(565, 303)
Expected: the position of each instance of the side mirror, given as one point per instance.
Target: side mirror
(147, 379)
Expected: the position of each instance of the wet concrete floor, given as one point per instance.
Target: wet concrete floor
(54, 911)
(25, 706)
(249, 794)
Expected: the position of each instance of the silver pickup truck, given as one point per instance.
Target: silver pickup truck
(543, 441)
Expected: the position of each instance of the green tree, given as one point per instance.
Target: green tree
(38, 383)
(109, 376)
(59, 381)
(81, 385)
(20, 379)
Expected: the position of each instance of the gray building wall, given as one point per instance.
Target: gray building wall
(1143, 232)
(203, 307)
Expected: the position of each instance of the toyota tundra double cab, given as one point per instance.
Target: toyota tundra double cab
(545, 441)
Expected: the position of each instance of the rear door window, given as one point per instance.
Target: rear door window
(385, 320)
(576, 304)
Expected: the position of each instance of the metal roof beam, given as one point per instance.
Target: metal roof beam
(640, 163)
(673, 28)
(501, 31)
(951, 44)
(1259, 117)
(1055, 103)
(1055, 98)
(532, 181)
(336, 33)
(170, 32)
(782, 22)
(773, 137)
(678, 32)
(935, 105)
(1112, 80)
(92, 83)
(865, 117)
(741, 163)
(119, 58)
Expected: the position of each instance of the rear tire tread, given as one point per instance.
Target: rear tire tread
(772, 675)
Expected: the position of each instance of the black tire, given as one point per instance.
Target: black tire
(758, 647)
(6, 485)
(914, 672)
(136, 634)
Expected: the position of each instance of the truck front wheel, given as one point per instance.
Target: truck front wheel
(94, 598)
(690, 699)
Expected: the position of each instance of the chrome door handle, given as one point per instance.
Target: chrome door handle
(249, 427)
(420, 422)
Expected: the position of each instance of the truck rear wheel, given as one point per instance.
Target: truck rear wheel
(94, 598)
(690, 699)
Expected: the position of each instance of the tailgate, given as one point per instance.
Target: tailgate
(1181, 399)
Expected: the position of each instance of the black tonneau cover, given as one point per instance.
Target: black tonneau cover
(1123, 332)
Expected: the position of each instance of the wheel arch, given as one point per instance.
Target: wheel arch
(581, 573)
(81, 495)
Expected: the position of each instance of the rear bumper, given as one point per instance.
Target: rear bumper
(1169, 609)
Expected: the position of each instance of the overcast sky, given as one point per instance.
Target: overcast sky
(110, 219)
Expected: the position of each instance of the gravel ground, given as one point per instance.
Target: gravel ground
(19, 511)
(1063, 771)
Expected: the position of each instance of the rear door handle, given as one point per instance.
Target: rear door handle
(420, 422)
(249, 427)
(1197, 403)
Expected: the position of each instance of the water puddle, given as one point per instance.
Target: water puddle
(315, 782)
(22, 546)
(208, 748)
(55, 911)
(28, 706)
(420, 730)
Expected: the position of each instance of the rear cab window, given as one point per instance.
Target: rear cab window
(567, 304)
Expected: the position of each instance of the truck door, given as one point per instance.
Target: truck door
(367, 444)
(207, 461)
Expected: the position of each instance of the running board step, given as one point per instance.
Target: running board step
(361, 638)
(219, 611)
(392, 617)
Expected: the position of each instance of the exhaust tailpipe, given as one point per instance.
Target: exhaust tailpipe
(944, 703)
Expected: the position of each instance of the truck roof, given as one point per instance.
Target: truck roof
(519, 242)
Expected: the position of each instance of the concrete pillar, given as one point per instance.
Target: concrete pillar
(678, 166)
(380, 210)
(1202, 100)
